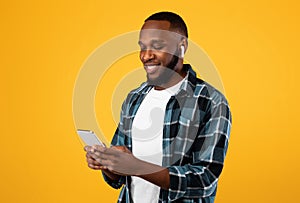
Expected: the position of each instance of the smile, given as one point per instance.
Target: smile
(151, 68)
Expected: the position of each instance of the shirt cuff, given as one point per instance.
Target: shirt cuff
(178, 183)
(114, 183)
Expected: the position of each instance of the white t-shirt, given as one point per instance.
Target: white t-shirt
(147, 134)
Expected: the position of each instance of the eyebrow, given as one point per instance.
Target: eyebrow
(153, 41)
(157, 41)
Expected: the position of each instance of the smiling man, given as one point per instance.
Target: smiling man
(173, 133)
(160, 50)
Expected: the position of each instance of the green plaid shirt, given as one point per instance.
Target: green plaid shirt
(195, 139)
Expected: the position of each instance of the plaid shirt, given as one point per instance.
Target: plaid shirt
(196, 130)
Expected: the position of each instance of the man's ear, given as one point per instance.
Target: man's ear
(183, 47)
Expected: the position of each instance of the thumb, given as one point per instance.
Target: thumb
(121, 148)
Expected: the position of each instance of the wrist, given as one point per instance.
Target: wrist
(143, 168)
(139, 168)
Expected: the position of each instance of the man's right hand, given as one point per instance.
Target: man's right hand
(93, 164)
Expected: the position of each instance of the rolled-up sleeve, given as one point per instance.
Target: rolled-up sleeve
(118, 140)
(199, 178)
(114, 183)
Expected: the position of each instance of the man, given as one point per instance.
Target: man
(172, 137)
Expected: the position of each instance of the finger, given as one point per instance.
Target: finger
(87, 148)
(95, 156)
(94, 167)
(99, 148)
(88, 156)
(100, 167)
(101, 155)
(91, 161)
(107, 163)
(94, 162)
(103, 150)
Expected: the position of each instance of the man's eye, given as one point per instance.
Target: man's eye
(158, 47)
(143, 48)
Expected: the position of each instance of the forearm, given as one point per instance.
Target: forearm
(155, 174)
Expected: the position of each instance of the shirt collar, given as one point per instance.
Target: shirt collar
(189, 84)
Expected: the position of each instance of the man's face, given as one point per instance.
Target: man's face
(159, 51)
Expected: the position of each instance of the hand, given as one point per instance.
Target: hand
(117, 159)
(94, 162)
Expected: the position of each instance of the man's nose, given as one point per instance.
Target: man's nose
(147, 55)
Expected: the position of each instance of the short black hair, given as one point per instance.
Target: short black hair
(177, 23)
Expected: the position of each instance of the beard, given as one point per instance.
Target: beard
(167, 72)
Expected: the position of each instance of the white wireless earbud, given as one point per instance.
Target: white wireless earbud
(182, 51)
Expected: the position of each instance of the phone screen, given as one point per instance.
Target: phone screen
(89, 138)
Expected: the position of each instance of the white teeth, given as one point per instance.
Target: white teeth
(151, 67)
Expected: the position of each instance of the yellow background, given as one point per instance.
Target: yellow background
(254, 44)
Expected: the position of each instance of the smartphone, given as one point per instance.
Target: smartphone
(89, 138)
